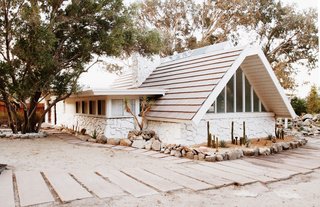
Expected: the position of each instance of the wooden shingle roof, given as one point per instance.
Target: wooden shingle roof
(188, 81)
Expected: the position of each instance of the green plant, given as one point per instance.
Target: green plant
(94, 134)
(223, 144)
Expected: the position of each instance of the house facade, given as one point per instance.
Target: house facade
(218, 84)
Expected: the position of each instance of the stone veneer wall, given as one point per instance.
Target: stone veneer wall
(110, 127)
(257, 125)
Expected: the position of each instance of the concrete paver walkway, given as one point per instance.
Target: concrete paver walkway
(35, 188)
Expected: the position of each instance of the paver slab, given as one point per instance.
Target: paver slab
(139, 151)
(293, 161)
(129, 149)
(247, 173)
(127, 183)
(275, 173)
(280, 166)
(170, 158)
(230, 176)
(32, 188)
(267, 171)
(159, 155)
(152, 180)
(6, 189)
(150, 153)
(119, 147)
(65, 186)
(98, 185)
(202, 176)
(181, 160)
(179, 179)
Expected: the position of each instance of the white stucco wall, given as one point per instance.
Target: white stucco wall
(257, 125)
(116, 127)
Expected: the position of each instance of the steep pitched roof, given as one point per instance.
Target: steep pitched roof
(193, 83)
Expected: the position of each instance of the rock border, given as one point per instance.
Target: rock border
(149, 140)
(4, 133)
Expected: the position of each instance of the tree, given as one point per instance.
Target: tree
(313, 101)
(299, 105)
(145, 107)
(288, 37)
(46, 45)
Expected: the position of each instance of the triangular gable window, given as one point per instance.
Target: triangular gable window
(237, 96)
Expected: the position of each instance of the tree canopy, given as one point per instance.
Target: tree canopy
(46, 45)
(313, 101)
(287, 36)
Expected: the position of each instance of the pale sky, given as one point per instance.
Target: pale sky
(98, 78)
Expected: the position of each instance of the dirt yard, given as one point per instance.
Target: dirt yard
(54, 153)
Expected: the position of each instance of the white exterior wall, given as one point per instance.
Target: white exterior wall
(111, 127)
(258, 125)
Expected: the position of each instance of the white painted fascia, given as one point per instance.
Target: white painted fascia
(109, 92)
(276, 82)
(222, 83)
(168, 120)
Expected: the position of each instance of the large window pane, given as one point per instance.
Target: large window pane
(77, 107)
(117, 107)
(220, 102)
(84, 107)
(101, 107)
(255, 102)
(230, 95)
(92, 107)
(248, 95)
(239, 90)
(132, 106)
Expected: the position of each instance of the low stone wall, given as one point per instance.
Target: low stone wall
(109, 127)
(257, 126)
(118, 127)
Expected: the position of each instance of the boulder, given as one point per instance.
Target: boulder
(232, 155)
(156, 145)
(264, 151)
(92, 140)
(201, 156)
(210, 158)
(173, 152)
(285, 146)
(248, 151)
(148, 144)
(113, 141)
(2, 135)
(307, 122)
(219, 157)
(125, 142)
(307, 116)
(140, 144)
(189, 155)
(177, 153)
(167, 151)
(196, 157)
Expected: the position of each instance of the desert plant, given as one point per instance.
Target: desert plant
(223, 144)
(94, 134)
(232, 138)
(209, 138)
(145, 106)
(269, 137)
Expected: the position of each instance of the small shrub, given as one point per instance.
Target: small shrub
(223, 144)
(269, 137)
(94, 134)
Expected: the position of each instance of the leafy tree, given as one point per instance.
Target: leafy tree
(313, 101)
(287, 36)
(46, 45)
(299, 105)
